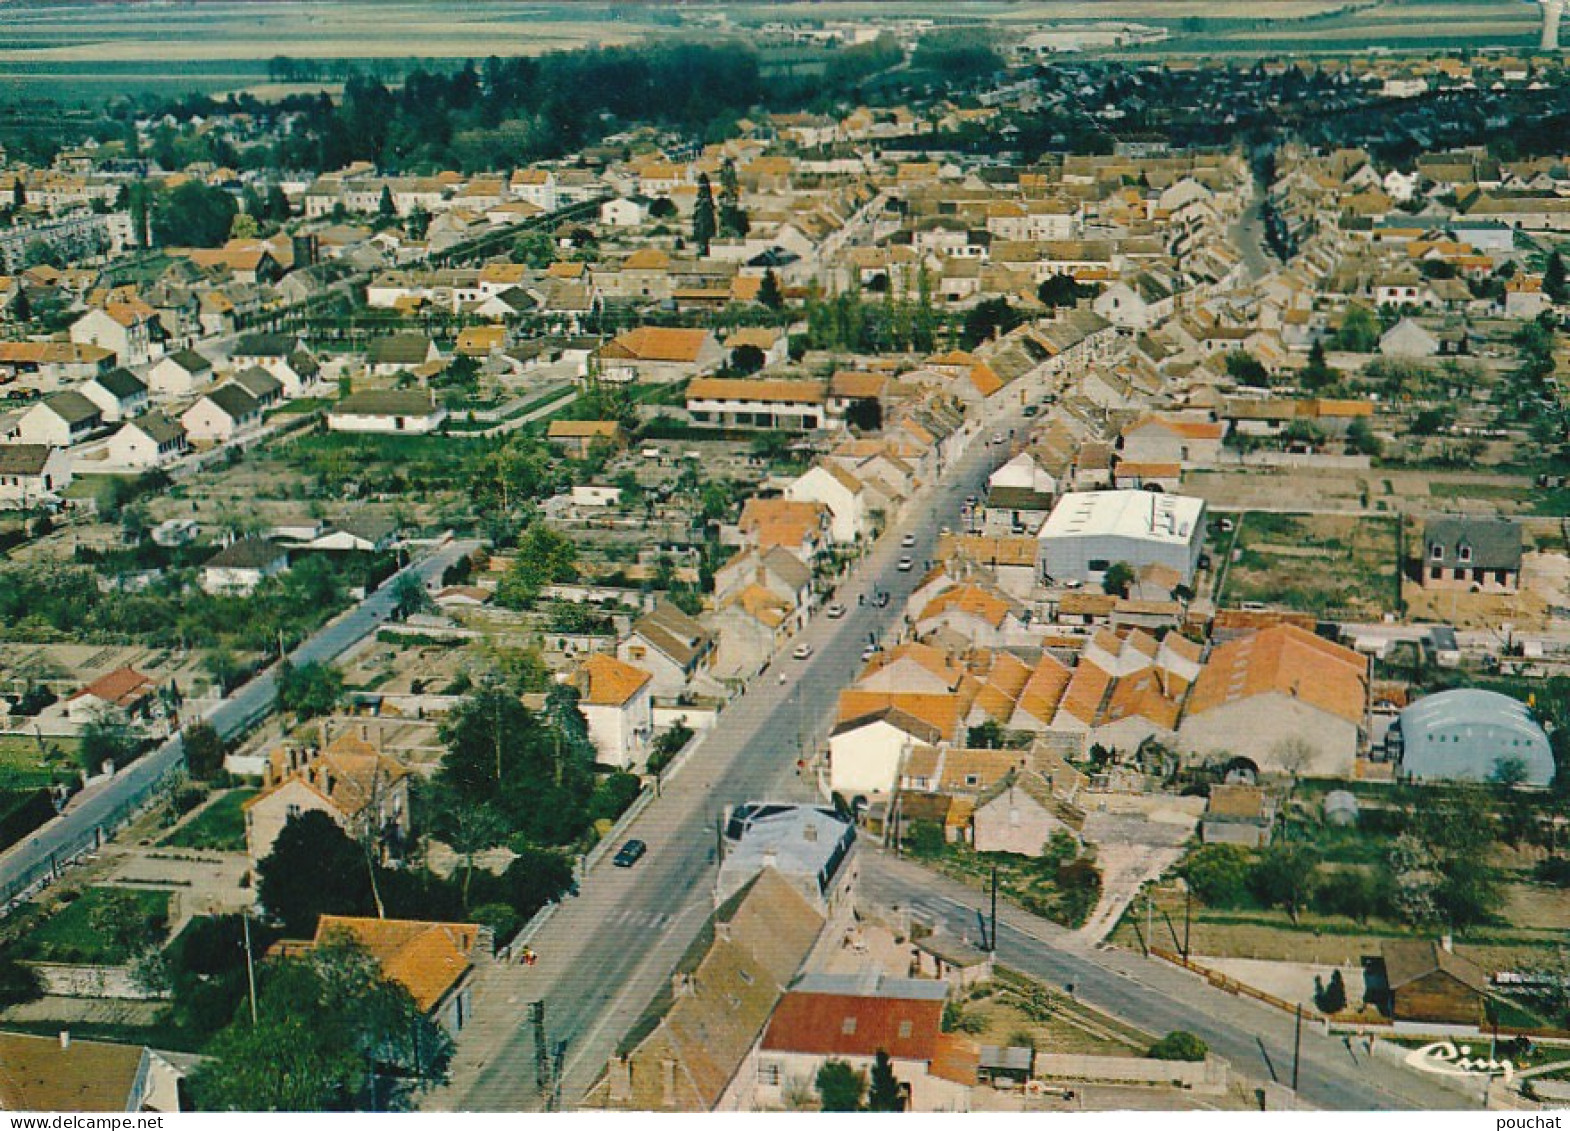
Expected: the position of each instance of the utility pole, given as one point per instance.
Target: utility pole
(542, 1053)
(250, 965)
(1297, 1044)
(992, 930)
(1188, 910)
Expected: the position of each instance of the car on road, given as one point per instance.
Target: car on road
(908, 541)
(882, 601)
(1032, 410)
(868, 652)
(971, 500)
(835, 610)
(629, 854)
(997, 437)
(801, 651)
(905, 564)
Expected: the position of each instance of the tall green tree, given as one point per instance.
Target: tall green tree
(704, 223)
(332, 1034)
(193, 215)
(502, 755)
(1555, 285)
(732, 220)
(385, 207)
(769, 292)
(544, 556)
(883, 1093)
(204, 750)
(314, 869)
(840, 1087)
(309, 690)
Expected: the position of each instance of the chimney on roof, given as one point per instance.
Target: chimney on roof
(1447, 942)
(323, 733)
(65, 1038)
(810, 834)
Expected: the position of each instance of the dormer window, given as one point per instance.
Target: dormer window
(1438, 552)
(1463, 553)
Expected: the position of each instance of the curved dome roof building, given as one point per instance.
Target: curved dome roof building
(1467, 734)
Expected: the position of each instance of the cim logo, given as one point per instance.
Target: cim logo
(1442, 1058)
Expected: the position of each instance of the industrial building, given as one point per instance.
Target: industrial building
(1090, 530)
(1470, 735)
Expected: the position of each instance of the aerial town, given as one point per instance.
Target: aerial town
(792, 564)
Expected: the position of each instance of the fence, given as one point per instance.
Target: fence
(1222, 982)
(118, 982)
(1210, 1074)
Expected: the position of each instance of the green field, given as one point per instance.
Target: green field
(71, 935)
(23, 764)
(1316, 563)
(220, 827)
(89, 53)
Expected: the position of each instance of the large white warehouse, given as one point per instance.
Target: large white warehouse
(1089, 530)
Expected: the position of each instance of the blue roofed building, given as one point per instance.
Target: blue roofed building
(1468, 735)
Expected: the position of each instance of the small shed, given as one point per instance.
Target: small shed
(1238, 814)
(1340, 809)
(1427, 981)
(951, 960)
(1012, 1066)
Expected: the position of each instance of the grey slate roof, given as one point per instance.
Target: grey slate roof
(23, 459)
(236, 403)
(386, 402)
(674, 633)
(72, 407)
(264, 345)
(158, 428)
(259, 383)
(121, 383)
(247, 553)
(190, 361)
(1495, 543)
(400, 349)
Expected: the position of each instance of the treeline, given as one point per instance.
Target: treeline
(510, 111)
(521, 109)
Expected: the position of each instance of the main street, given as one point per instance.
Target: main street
(84, 825)
(603, 955)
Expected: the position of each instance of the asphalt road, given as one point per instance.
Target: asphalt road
(603, 955)
(1247, 234)
(1256, 1039)
(63, 837)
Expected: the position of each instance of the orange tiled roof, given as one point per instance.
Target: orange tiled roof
(741, 389)
(970, 599)
(1084, 693)
(1284, 660)
(606, 681)
(121, 686)
(942, 712)
(658, 343)
(1043, 691)
(427, 959)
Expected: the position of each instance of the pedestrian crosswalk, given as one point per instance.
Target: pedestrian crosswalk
(651, 920)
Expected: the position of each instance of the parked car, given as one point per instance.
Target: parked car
(835, 610)
(801, 651)
(868, 652)
(908, 541)
(630, 853)
(905, 564)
